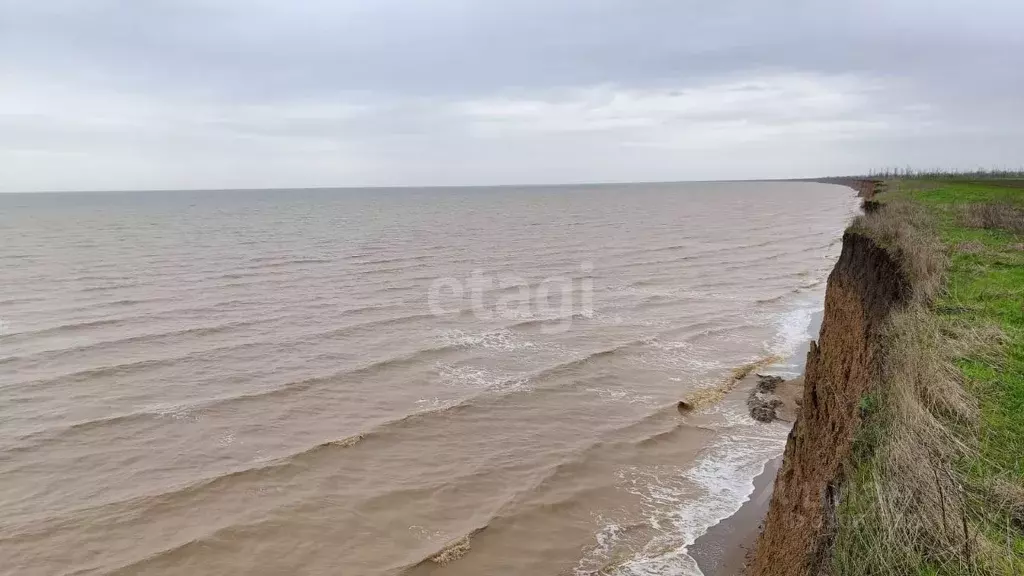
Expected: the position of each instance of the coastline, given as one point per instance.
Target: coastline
(725, 547)
(897, 336)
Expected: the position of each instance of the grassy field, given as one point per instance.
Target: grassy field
(985, 287)
(937, 486)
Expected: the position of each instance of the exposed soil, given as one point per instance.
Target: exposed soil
(863, 289)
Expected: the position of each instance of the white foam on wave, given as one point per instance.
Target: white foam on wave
(424, 534)
(787, 371)
(671, 345)
(793, 330)
(475, 378)
(681, 503)
(179, 413)
(677, 355)
(725, 417)
(503, 339)
(624, 395)
(436, 403)
(606, 539)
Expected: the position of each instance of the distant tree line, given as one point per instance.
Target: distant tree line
(910, 173)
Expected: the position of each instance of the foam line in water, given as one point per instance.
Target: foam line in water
(684, 504)
(793, 329)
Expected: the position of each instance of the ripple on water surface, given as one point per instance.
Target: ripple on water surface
(258, 382)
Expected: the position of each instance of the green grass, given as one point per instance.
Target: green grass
(984, 290)
(986, 287)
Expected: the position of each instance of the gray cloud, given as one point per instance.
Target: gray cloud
(192, 93)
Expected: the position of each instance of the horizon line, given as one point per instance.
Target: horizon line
(432, 186)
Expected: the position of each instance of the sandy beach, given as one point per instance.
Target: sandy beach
(723, 550)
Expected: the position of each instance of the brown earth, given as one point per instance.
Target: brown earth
(863, 289)
(792, 394)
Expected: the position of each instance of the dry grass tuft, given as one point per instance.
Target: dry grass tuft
(993, 216)
(905, 230)
(918, 365)
(971, 247)
(1009, 496)
(983, 342)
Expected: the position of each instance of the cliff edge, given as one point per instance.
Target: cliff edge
(865, 286)
(905, 454)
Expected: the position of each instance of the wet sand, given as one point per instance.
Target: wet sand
(724, 548)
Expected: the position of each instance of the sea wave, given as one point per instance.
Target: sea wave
(681, 503)
(792, 329)
(134, 367)
(50, 355)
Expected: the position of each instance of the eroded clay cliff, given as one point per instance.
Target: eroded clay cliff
(865, 287)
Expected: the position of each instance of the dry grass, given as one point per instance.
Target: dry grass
(905, 507)
(993, 217)
(984, 342)
(1009, 496)
(972, 247)
(904, 229)
(908, 505)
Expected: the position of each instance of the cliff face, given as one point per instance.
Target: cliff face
(863, 289)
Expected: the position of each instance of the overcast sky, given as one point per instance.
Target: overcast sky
(143, 94)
